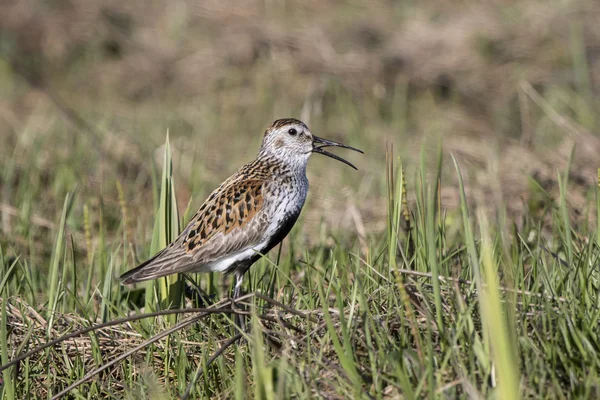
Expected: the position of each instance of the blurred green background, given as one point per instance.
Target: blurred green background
(89, 89)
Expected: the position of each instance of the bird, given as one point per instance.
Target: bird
(249, 213)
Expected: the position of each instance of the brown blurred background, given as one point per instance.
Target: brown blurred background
(89, 89)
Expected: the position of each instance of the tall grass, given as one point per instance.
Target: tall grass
(430, 308)
(165, 292)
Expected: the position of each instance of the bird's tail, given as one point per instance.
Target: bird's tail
(163, 263)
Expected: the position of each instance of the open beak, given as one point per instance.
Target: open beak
(319, 144)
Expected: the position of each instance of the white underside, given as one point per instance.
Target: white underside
(288, 204)
(224, 263)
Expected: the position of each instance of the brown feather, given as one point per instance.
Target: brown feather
(222, 212)
(286, 121)
(231, 219)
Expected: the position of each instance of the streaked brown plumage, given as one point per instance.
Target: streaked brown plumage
(249, 213)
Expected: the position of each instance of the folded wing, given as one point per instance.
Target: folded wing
(231, 221)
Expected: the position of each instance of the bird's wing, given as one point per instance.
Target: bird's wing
(231, 220)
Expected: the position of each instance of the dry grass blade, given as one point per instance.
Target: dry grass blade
(406, 214)
(179, 326)
(123, 356)
(118, 322)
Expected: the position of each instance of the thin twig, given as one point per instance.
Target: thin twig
(109, 324)
(123, 356)
(118, 322)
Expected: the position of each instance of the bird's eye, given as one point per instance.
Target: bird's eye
(292, 131)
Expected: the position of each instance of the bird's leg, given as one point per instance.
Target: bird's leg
(238, 285)
(239, 277)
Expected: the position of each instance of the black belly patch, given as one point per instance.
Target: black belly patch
(241, 266)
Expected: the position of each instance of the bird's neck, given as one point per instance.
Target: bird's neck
(281, 164)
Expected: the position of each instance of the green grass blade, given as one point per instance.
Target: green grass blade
(166, 229)
(467, 229)
(346, 360)
(494, 316)
(58, 254)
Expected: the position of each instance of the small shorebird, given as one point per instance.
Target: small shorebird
(249, 214)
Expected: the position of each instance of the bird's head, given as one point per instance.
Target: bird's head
(291, 141)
